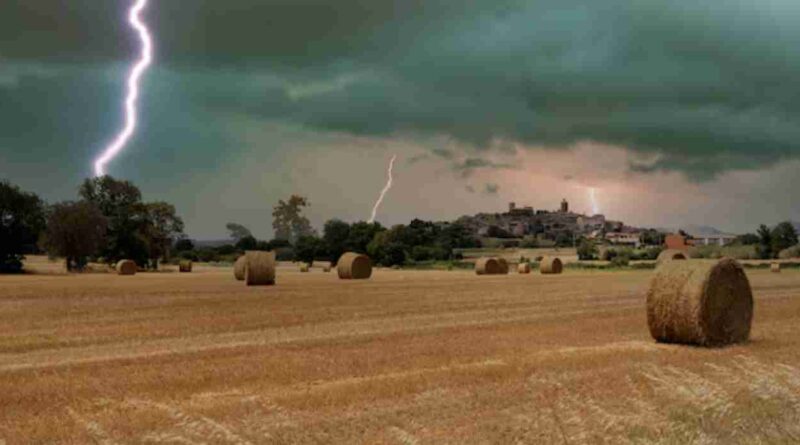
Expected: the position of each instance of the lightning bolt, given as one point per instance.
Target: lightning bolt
(593, 199)
(134, 76)
(384, 191)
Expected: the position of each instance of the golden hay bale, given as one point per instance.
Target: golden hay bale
(551, 265)
(126, 267)
(354, 266)
(706, 303)
(775, 267)
(503, 266)
(326, 268)
(185, 266)
(304, 268)
(670, 255)
(488, 266)
(260, 268)
(240, 267)
(524, 268)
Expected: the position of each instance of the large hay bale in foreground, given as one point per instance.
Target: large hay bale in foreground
(185, 266)
(126, 267)
(524, 268)
(706, 303)
(354, 266)
(551, 265)
(670, 255)
(259, 268)
(488, 266)
(775, 267)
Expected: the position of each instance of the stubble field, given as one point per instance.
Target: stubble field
(408, 357)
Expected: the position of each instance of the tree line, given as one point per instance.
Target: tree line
(296, 240)
(107, 222)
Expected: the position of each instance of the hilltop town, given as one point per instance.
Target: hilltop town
(563, 226)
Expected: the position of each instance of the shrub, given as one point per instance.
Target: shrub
(620, 261)
(791, 252)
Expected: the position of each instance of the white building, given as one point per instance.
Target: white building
(627, 238)
(719, 239)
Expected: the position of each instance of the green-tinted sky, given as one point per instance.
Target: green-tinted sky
(678, 112)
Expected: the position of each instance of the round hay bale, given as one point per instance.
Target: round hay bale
(126, 267)
(240, 267)
(326, 268)
(304, 268)
(775, 267)
(185, 266)
(354, 266)
(707, 303)
(503, 266)
(551, 265)
(259, 268)
(487, 266)
(670, 255)
(524, 268)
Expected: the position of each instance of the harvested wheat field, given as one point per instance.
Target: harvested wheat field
(402, 358)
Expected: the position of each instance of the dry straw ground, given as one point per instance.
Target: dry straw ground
(403, 358)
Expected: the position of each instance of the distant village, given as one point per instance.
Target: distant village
(551, 226)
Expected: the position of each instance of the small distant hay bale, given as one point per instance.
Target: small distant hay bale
(488, 266)
(304, 268)
(551, 265)
(240, 268)
(670, 255)
(706, 303)
(326, 268)
(354, 266)
(126, 267)
(260, 268)
(504, 268)
(185, 266)
(524, 268)
(775, 267)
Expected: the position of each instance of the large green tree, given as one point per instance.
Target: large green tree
(335, 234)
(782, 237)
(238, 231)
(75, 231)
(288, 221)
(22, 219)
(307, 248)
(121, 203)
(361, 234)
(764, 247)
(161, 227)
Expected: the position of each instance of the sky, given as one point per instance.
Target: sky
(677, 112)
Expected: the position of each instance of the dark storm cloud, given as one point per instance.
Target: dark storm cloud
(468, 166)
(702, 87)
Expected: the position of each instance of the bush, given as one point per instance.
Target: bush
(791, 252)
(620, 261)
(587, 250)
(739, 252)
(529, 242)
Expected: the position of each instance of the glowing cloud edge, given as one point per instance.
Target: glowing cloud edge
(135, 75)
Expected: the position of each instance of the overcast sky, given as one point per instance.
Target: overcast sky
(677, 112)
